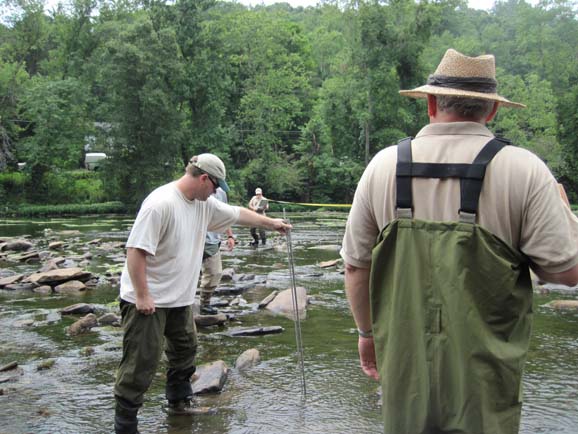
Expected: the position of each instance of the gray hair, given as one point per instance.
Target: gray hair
(468, 108)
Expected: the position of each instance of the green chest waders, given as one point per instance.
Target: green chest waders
(451, 307)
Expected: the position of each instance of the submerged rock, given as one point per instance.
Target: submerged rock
(248, 359)
(210, 378)
(563, 304)
(83, 325)
(327, 264)
(254, 331)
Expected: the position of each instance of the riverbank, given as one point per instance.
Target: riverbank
(64, 210)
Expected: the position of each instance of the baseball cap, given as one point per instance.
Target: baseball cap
(212, 165)
(258, 191)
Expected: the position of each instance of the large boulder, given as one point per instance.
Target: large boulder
(210, 378)
(283, 303)
(54, 277)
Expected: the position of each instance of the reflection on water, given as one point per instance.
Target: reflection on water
(75, 395)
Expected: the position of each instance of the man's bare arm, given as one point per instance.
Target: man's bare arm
(137, 270)
(568, 277)
(357, 290)
(249, 218)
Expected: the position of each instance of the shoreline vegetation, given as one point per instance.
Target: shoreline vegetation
(72, 209)
(295, 100)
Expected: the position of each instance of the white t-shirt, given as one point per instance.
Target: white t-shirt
(172, 230)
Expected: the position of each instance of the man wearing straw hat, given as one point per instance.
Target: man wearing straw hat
(443, 300)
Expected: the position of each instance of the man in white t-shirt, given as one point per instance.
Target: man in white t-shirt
(159, 282)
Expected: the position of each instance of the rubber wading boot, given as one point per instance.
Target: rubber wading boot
(125, 417)
(125, 422)
(184, 408)
(208, 310)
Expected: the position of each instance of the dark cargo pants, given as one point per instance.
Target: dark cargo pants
(145, 337)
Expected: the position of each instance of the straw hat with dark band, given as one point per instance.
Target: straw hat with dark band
(463, 76)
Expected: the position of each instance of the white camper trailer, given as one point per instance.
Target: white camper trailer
(93, 160)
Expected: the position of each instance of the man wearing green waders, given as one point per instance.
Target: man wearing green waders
(443, 299)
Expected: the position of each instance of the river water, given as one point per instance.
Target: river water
(74, 395)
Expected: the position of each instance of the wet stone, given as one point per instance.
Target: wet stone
(248, 359)
(210, 320)
(210, 378)
(83, 325)
(78, 308)
(17, 245)
(21, 287)
(72, 286)
(11, 280)
(268, 299)
(254, 331)
(43, 289)
(283, 303)
(109, 319)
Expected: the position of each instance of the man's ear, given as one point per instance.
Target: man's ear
(432, 107)
(493, 112)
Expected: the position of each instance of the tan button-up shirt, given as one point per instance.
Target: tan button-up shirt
(520, 201)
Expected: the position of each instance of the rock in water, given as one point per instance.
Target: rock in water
(248, 359)
(210, 378)
(78, 308)
(283, 303)
(563, 304)
(83, 325)
(268, 299)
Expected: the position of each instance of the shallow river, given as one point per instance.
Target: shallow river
(75, 394)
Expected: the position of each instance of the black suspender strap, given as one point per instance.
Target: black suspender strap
(471, 175)
(471, 186)
(403, 174)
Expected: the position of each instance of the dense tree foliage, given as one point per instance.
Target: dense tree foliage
(295, 100)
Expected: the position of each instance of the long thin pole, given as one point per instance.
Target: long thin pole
(298, 339)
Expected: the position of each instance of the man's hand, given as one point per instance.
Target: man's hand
(280, 225)
(230, 243)
(367, 357)
(145, 304)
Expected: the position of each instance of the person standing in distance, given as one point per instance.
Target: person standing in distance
(212, 268)
(443, 300)
(159, 281)
(259, 204)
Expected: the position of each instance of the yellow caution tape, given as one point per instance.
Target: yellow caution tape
(333, 205)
